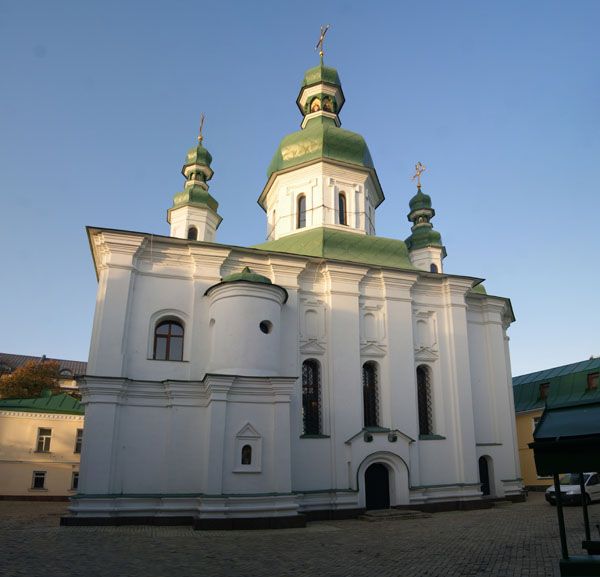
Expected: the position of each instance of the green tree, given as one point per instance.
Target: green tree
(30, 380)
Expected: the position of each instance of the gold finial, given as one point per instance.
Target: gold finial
(319, 45)
(419, 170)
(200, 137)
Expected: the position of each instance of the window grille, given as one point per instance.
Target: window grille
(311, 397)
(370, 395)
(424, 401)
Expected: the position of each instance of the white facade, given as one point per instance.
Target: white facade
(263, 412)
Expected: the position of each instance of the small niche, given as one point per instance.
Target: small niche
(265, 327)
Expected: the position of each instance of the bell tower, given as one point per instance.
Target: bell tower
(194, 212)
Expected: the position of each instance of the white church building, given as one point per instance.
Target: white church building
(323, 372)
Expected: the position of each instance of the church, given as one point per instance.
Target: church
(315, 375)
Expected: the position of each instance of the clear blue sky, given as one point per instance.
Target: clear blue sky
(99, 102)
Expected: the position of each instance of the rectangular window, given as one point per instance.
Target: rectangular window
(544, 390)
(592, 381)
(75, 481)
(43, 440)
(39, 480)
(78, 441)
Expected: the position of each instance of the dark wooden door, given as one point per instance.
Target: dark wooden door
(377, 487)
(484, 476)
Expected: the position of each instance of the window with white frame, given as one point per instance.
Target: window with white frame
(39, 480)
(43, 440)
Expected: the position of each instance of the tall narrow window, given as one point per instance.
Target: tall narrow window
(192, 233)
(424, 401)
(168, 341)
(544, 390)
(311, 397)
(43, 440)
(78, 441)
(246, 455)
(74, 480)
(301, 216)
(370, 395)
(342, 208)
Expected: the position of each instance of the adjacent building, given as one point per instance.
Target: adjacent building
(565, 385)
(41, 438)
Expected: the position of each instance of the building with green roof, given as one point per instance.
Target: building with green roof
(572, 384)
(40, 442)
(321, 371)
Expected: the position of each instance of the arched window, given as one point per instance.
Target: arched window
(424, 401)
(301, 215)
(311, 397)
(192, 233)
(370, 395)
(433, 267)
(342, 208)
(168, 341)
(246, 455)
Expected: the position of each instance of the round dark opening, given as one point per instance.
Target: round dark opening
(266, 326)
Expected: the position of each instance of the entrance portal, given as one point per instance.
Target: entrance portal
(377, 487)
(484, 476)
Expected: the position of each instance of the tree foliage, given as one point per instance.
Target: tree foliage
(30, 380)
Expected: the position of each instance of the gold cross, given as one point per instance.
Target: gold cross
(419, 170)
(319, 45)
(200, 137)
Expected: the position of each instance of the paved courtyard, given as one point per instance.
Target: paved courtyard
(511, 540)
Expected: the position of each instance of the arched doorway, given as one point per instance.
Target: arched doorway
(377, 487)
(484, 476)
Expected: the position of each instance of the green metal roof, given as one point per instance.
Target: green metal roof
(567, 439)
(420, 201)
(341, 245)
(195, 195)
(568, 384)
(198, 155)
(61, 403)
(247, 275)
(321, 73)
(321, 138)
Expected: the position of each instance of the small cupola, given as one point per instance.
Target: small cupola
(194, 212)
(424, 245)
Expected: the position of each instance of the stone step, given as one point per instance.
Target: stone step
(393, 515)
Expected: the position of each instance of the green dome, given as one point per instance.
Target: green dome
(321, 138)
(423, 236)
(198, 155)
(420, 201)
(321, 73)
(247, 276)
(195, 194)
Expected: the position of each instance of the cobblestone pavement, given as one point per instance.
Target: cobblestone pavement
(510, 540)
